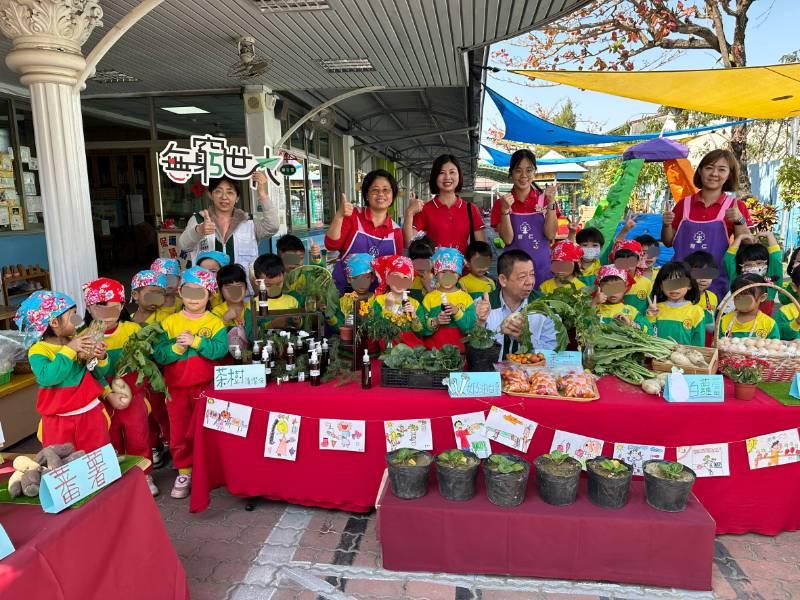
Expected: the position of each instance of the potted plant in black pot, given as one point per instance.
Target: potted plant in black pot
(409, 471)
(506, 478)
(609, 481)
(558, 474)
(456, 471)
(482, 350)
(667, 484)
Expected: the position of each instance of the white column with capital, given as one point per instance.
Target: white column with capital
(47, 36)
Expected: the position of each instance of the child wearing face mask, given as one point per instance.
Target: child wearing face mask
(392, 301)
(129, 429)
(194, 340)
(628, 255)
(233, 308)
(674, 312)
(171, 269)
(477, 282)
(68, 399)
(788, 317)
(358, 270)
(611, 285)
(591, 240)
(566, 259)
(747, 320)
(420, 252)
(762, 257)
(449, 311)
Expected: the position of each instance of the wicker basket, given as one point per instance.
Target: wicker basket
(774, 368)
(710, 354)
(426, 380)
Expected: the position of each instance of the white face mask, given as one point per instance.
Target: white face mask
(591, 253)
(761, 270)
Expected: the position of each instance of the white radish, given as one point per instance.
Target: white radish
(123, 394)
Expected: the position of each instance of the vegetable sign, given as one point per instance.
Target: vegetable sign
(64, 486)
(474, 385)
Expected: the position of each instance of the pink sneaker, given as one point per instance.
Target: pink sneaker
(182, 487)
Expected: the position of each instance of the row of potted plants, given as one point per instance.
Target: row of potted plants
(667, 484)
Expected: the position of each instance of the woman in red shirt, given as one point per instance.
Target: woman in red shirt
(367, 230)
(444, 218)
(527, 217)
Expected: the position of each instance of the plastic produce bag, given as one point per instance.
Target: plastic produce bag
(12, 350)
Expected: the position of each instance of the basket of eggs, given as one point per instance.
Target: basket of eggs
(779, 359)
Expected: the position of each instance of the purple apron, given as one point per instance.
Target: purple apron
(529, 237)
(364, 243)
(711, 236)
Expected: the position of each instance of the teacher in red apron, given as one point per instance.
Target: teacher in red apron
(707, 219)
(369, 230)
(527, 218)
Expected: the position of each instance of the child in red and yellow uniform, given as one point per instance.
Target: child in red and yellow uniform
(69, 394)
(171, 269)
(628, 255)
(192, 341)
(566, 259)
(129, 431)
(392, 302)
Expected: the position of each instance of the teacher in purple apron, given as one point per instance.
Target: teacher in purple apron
(527, 218)
(707, 220)
(367, 230)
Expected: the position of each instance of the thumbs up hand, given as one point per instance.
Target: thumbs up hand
(207, 227)
(482, 308)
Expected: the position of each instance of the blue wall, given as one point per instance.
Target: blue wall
(23, 249)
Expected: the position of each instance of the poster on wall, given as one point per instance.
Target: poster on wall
(773, 449)
(579, 447)
(636, 454)
(511, 430)
(470, 432)
(168, 246)
(708, 460)
(342, 434)
(17, 223)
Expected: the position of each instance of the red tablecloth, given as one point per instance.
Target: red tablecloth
(764, 501)
(115, 546)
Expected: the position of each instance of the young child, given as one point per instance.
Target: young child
(477, 282)
(193, 340)
(148, 291)
(791, 265)
(651, 250)
(703, 269)
(674, 313)
(171, 268)
(395, 274)
(745, 255)
(566, 260)
(788, 317)
(292, 252)
(611, 286)
(420, 252)
(232, 284)
(272, 270)
(68, 399)
(592, 241)
(449, 311)
(747, 320)
(213, 260)
(129, 429)
(358, 270)
(628, 254)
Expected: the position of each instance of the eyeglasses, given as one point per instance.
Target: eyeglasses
(374, 193)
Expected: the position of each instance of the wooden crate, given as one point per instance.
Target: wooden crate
(711, 355)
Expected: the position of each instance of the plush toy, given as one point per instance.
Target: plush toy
(26, 477)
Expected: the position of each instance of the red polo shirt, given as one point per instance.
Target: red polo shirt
(448, 226)
(702, 213)
(535, 200)
(364, 217)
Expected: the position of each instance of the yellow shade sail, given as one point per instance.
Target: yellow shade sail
(771, 92)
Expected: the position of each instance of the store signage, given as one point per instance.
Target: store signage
(64, 486)
(287, 170)
(474, 385)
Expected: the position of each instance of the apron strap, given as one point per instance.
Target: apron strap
(726, 204)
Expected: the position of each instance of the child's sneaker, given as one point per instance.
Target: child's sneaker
(182, 487)
(159, 457)
(151, 484)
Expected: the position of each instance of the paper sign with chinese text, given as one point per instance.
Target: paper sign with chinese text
(636, 454)
(509, 429)
(474, 385)
(579, 447)
(283, 434)
(773, 449)
(239, 377)
(6, 547)
(408, 433)
(227, 417)
(66, 485)
(470, 432)
(701, 388)
(708, 460)
(342, 434)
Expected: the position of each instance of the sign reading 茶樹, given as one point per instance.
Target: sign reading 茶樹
(69, 483)
(474, 385)
(239, 377)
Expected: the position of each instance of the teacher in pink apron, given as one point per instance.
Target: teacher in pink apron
(369, 230)
(707, 219)
(527, 218)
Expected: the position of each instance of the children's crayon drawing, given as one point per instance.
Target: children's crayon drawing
(341, 434)
(636, 454)
(408, 433)
(707, 460)
(283, 433)
(773, 449)
(579, 447)
(509, 429)
(227, 417)
(470, 432)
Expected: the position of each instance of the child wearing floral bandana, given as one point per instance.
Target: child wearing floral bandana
(395, 274)
(214, 260)
(171, 269)
(611, 287)
(449, 323)
(566, 259)
(628, 255)
(69, 394)
(129, 430)
(360, 277)
(192, 342)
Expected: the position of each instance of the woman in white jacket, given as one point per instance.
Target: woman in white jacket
(228, 229)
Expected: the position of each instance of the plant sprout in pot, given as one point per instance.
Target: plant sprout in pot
(506, 478)
(667, 484)
(745, 372)
(409, 471)
(456, 471)
(609, 481)
(481, 349)
(558, 474)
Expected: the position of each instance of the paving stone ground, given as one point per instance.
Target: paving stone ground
(284, 552)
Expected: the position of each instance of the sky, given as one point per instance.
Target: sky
(771, 33)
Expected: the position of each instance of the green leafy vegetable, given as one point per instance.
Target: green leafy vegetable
(401, 356)
(557, 456)
(136, 355)
(480, 338)
(670, 470)
(503, 464)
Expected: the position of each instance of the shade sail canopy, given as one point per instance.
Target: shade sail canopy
(522, 126)
(769, 92)
(657, 150)
(503, 159)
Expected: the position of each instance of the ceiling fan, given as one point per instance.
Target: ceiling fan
(249, 65)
